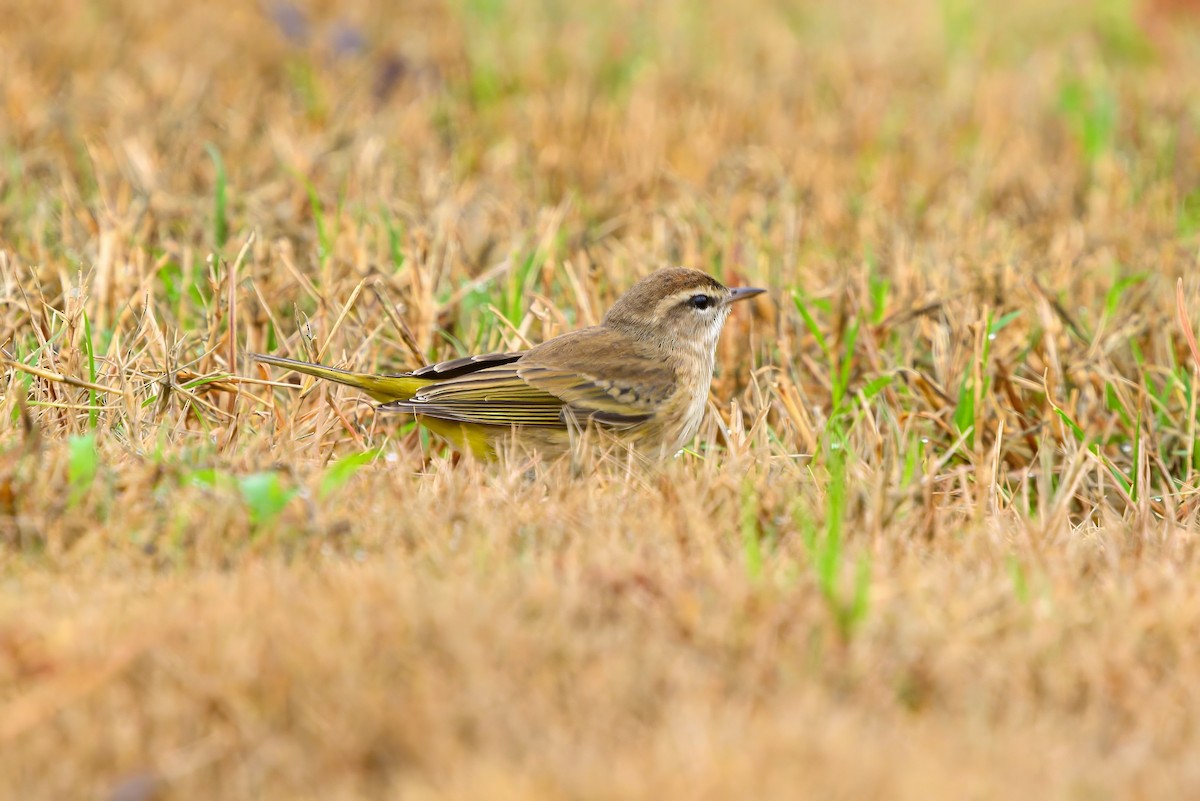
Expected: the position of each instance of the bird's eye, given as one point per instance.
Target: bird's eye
(700, 302)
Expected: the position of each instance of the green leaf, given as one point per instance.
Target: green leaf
(1113, 298)
(748, 523)
(1002, 323)
(878, 288)
(519, 283)
(829, 551)
(1134, 489)
(220, 220)
(204, 477)
(876, 385)
(1091, 112)
(324, 244)
(811, 324)
(912, 456)
(395, 232)
(1019, 581)
(1189, 213)
(265, 495)
(1113, 402)
(859, 604)
(843, 373)
(339, 472)
(83, 462)
(1075, 429)
(964, 410)
(89, 350)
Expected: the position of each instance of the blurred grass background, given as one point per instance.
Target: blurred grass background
(937, 537)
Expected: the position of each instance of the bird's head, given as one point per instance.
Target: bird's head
(675, 307)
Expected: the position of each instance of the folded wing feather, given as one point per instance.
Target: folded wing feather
(552, 385)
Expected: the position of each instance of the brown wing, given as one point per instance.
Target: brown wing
(495, 396)
(565, 379)
(600, 375)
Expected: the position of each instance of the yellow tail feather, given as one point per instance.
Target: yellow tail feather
(382, 388)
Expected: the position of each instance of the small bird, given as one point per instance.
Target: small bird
(644, 373)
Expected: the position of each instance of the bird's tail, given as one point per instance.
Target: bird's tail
(383, 388)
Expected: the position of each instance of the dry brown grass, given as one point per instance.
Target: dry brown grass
(907, 559)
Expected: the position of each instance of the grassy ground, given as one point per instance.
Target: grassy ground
(938, 535)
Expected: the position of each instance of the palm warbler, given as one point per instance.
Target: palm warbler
(644, 373)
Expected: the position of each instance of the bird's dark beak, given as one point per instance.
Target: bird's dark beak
(743, 292)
